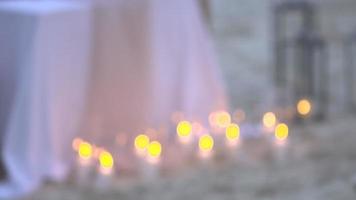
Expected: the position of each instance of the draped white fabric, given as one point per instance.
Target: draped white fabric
(159, 59)
(150, 59)
(44, 53)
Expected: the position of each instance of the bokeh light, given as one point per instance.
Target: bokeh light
(223, 119)
(106, 160)
(239, 116)
(85, 150)
(232, 132)
(219, 119)
(206, 143)
(141, 142)
(184, 129)
(281, 132)
(269, 119)
(304, 107)
(76, 143)
(154, 149)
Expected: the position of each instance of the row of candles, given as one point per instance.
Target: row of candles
(150, 151)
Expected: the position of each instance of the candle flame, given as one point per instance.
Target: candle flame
(184, 129)
(154, 149)
(85, 150)
(232, 132)
(206, 143)
(106, 160)
(304, 107)
(269, 119)
(281, 132)
(141, 142)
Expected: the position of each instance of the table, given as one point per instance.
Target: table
(44, 60)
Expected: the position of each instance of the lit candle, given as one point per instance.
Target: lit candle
(150, 167)
(219, 121)
(106, 164)
(281, 134)
(154, 152)
(141, 144)
(269, 121)
(85, 152)
(184, 130)
(281, 140)
(84, 160)
(304, 107)
(206, 144)
(232, 135)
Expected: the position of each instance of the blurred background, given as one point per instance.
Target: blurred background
(271, 54)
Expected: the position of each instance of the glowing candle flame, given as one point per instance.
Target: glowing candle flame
(141, 142)
(154, 149)
(281, 132)
(269, 120)
(184, 130)
(304, 107)
(85, 150)
(106, 161)
(232, 132)
(206, 143)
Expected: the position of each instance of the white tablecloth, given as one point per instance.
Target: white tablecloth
(150, 59)
(44, 60)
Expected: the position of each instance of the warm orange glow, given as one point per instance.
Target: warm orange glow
(206, 143)
(281, 132)
(232, 132)
(239, 115)
(76, 143)
(184, 129)
(85, 150)
(154, 149)
(106, 160)
(219, 119)
(97, 151)
(304, 107)
(269, 119)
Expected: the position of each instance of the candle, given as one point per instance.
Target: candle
(206, 144)
(281, 140)
(184, 130)
(154, 152)
(106, 164)
(84, 160)
(269, 121)
(141, 144)
(85, 152)
(232, 135)
(150, 165)
(304, 107)
(281, 133)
